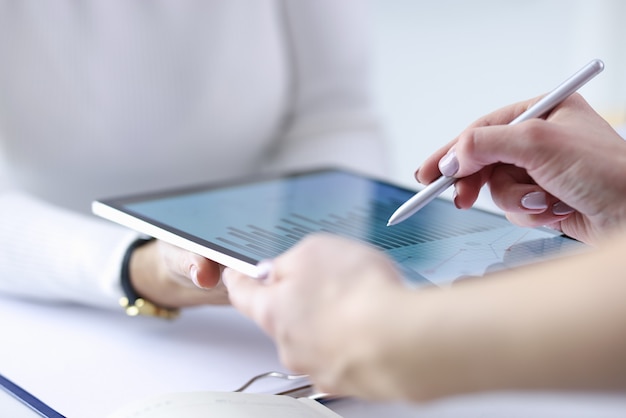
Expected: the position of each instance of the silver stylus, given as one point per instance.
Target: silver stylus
(547, 103)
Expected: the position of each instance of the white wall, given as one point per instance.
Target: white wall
(441, 64)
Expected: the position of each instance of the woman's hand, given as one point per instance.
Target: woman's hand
(566, 171)
(174, 278)
(329, 304)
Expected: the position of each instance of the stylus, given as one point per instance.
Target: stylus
(547, 103)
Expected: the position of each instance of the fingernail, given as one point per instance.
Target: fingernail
(226, 274)
(560, 209)
(535, 201)
(454, 196)
(193, 272)
(264, 268)
(449, 165)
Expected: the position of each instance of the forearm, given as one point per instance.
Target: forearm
(554, 326)
(54, 254)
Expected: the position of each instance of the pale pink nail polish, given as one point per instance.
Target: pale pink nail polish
(193, 273)
(264, 268)
(561, 209)
(449, 164)
(535, 201)
(454, 196)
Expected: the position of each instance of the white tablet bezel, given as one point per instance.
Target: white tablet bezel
(114, 210)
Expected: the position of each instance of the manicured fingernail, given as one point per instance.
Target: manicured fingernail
(193, 272)
(226, 275)
(264, 268)
(449, 165)
(560, 209)
(454, 196)
(535, 201)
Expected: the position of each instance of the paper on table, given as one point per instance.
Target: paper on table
(224, 404)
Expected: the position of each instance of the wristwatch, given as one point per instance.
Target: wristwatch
(132, 303)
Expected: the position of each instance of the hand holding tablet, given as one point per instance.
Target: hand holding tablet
(547, 103)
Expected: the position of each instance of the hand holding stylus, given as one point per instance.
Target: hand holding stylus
(540, 108)
(554, 171)
(572, 156)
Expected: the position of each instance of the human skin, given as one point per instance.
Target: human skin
(572, 159)
(338, 311)
(573, 156)
(175, 278)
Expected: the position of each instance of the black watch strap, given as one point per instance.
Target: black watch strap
(132, 303)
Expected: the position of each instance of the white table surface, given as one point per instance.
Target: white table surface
(87, 363)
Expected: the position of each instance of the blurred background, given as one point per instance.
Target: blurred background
(441, 64)
(438, 65)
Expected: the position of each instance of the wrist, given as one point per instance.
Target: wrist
(134, 300)
(407, 354)
(382, 364)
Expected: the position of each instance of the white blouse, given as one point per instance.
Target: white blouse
(107, 97)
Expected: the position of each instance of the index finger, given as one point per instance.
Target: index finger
(429, 171)
(524, 145)
(504, 115)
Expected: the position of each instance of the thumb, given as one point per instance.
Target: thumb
(242, 290)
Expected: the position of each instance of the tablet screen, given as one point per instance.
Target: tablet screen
(251, 221)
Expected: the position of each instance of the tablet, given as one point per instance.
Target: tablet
(242, 222)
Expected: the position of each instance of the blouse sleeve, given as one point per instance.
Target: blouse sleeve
(333, 122)
(37, 237)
